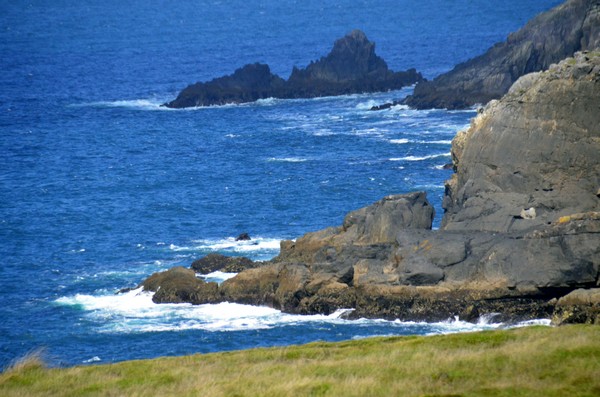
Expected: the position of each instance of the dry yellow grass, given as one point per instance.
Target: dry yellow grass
(537, 361)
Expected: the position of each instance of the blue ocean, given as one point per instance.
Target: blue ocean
(100, 186)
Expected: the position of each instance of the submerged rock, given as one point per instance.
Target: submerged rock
(351, 67)
(546, 39)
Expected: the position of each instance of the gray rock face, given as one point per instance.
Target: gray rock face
(546, 39)
(539, 147)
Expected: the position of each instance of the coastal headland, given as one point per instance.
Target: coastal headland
(521, 229)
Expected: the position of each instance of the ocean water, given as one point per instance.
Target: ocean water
(100, 186)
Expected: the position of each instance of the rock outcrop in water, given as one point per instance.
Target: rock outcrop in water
(521, 228)
(546, 39)
(351, 67)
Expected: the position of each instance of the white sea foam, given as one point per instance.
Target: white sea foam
(403, 141)
(217, 276)
(139, 104)
(420, 158)
(400, 141)
(439, 142)
(370, 131)
(266, 101)
(368, 104)
(134, 312)
(243, 246)
(287, 159)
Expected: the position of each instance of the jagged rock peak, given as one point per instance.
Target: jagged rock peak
(351, 67)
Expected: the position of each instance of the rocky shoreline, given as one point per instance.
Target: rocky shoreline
(520, 236)
(351, 67)
(521, 229)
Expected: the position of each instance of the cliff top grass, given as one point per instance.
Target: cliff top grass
(532, 361)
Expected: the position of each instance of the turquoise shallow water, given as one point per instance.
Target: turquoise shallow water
(100, 187)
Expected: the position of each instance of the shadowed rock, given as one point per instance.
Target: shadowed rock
(217, 262)
(351, 67)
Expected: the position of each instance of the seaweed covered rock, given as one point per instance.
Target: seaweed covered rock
(580, 306)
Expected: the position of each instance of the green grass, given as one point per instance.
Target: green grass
(534, 361)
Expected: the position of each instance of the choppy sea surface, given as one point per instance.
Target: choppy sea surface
(100, 186)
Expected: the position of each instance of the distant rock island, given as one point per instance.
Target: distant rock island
(546, 39)
(351, 67)
(520, 237)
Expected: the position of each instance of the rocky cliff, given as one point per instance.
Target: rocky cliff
(351, 67)
(546, 39)
(521, 228)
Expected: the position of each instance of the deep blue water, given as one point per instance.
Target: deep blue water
(100, 187)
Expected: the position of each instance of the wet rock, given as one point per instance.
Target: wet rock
(217, 262)
(580, 306)
(178, 285)
(243, 237)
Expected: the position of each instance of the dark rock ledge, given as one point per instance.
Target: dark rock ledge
(351, 67)
(520, 235)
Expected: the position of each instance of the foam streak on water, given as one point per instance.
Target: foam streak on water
(134, 312)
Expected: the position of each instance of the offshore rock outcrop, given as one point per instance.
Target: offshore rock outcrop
(546, 39)
(521, 228)
(351, 67)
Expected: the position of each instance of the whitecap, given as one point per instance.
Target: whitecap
(217, 276)
(367, 105)
(401, 141)
(439, 142)
(138, 104)
(230, 244)
(92, 360)
(419, 158)
(266, 101)
(174, 247)
(287, 159)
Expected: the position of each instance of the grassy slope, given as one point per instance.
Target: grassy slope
(536, 361)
